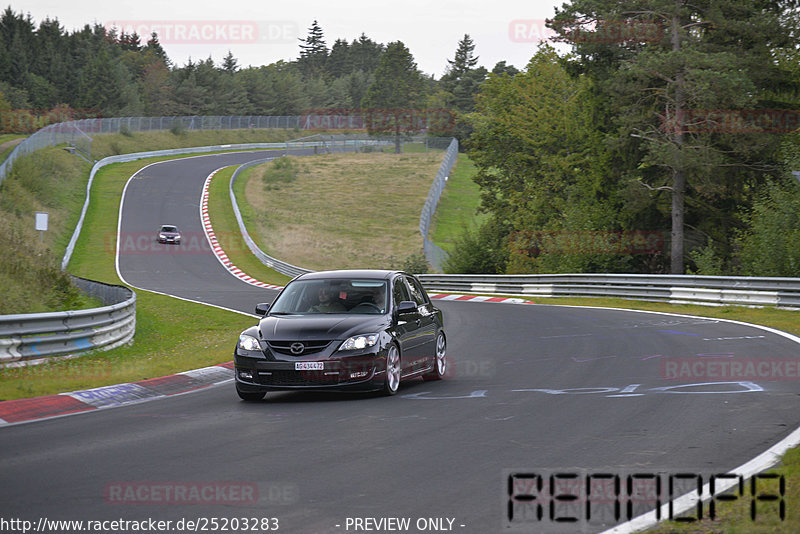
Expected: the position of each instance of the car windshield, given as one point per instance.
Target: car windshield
(169, 229)
(335, 295)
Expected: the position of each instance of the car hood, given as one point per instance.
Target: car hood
(333, 326)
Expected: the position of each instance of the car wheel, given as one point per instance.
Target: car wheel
(440, 362)
(392, 382)
(250, 396)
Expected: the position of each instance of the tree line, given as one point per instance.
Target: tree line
(662, 142)
(46, 72)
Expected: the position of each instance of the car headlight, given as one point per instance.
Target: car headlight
(248, 343)
(359, 342)
(162, 236)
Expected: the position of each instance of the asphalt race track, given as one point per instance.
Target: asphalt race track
(532, 389)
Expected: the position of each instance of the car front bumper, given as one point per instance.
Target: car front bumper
(355, 373)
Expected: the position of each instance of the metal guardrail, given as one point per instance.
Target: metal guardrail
(433, 253)
(281, 266)
(675, 289)
(33, 337)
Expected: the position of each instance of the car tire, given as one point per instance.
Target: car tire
(392, 381)
(250, 396)
(440, 360)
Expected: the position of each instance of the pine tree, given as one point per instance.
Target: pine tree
(229, 63)
(313, 53)
(462, 80)
(396, 91)
(155, 47)
(365, 54)
(464, 60)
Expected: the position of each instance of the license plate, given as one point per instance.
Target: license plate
(309, 366)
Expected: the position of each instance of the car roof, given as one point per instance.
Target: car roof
(377, 274)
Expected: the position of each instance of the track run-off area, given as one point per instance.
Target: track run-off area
(531, 390)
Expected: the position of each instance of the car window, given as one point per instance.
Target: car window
(416, 291)
(336, 295)
(399, 292)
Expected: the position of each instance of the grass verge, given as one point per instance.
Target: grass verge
(458, 205)
(157, 350)
(6, 147)
(340, 210)
(30, 275)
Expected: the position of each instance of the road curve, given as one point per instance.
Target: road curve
(530, 388)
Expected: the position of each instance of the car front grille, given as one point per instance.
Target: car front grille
(309, 347)
(297, 378)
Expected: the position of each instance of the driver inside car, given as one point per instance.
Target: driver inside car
(328, 302)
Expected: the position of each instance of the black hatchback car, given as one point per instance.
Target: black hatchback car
(342, 330)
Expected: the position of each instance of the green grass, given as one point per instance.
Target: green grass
(339, 208)
(54, 182)
(10, 137)
(458, 205)
(4, 152)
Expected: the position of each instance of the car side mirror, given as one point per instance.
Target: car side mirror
(406, 307)
(261, 309)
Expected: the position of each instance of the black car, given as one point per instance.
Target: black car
(342, 330)
(169, 233)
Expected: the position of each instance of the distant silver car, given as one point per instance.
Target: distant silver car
(169, 233)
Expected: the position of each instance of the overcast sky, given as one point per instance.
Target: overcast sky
(262, 32)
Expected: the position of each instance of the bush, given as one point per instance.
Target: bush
(416, 263)
(481, 251)
(283, 170)
(178, 128)
(770, 245)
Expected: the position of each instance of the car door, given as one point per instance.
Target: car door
(405, 327)
(425, 334)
